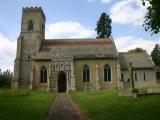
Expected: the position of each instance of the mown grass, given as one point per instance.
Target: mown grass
(24, 104)
(107, 105)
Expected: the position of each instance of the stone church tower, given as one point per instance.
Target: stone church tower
(28, 44)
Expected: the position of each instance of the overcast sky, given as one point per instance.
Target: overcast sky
(76, 19)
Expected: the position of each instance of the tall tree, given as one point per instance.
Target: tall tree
(152, 18)
(104, 28)
(156, 54)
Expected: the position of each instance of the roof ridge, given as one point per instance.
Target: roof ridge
(80, 39)
(131, 52)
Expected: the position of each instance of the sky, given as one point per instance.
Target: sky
(76, 19)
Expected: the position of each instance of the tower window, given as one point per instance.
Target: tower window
(43, 76)
(30, 25)
(42, 27)
(28, 57)
(144, 77)
(122, 78)
(107, 73)
(86, 73)
(135, 76)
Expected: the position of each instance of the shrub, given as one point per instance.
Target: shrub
(5, 79)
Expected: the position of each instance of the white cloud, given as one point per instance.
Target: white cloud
(103, 1)
(128, 11)
(68, 29)
(131, 42)
(7, 53)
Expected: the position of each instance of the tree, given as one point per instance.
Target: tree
(155, 54)
(152, 18)
(104, 28)
(137, 50)
(5, 79)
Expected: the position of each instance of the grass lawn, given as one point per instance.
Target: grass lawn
(24, 105)
(107, 105)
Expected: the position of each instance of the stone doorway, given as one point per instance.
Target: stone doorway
(62, 82)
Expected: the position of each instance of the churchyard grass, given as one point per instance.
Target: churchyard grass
(107, 105)
(24, 104)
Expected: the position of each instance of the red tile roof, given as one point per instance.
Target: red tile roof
(75, 42)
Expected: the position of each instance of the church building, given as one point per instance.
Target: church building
(73, 64)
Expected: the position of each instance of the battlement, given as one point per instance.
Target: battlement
(25, 9)
(32, 8)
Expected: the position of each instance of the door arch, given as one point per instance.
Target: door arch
(62, 82)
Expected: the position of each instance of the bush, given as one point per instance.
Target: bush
(5, 79)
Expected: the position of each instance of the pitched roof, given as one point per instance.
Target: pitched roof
(77, 42)
(78, 48)
(139, 60)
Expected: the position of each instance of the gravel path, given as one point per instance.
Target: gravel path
(64, 109)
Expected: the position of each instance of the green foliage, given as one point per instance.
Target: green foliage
(24, 105)
(5, 79)
(104, 28)
(137, 50)
(155, 54)
(107, 105)
(152, 18)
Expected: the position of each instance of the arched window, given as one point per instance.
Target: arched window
(107, 73)
(30, 25)
(86, 73)
(43, 76)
